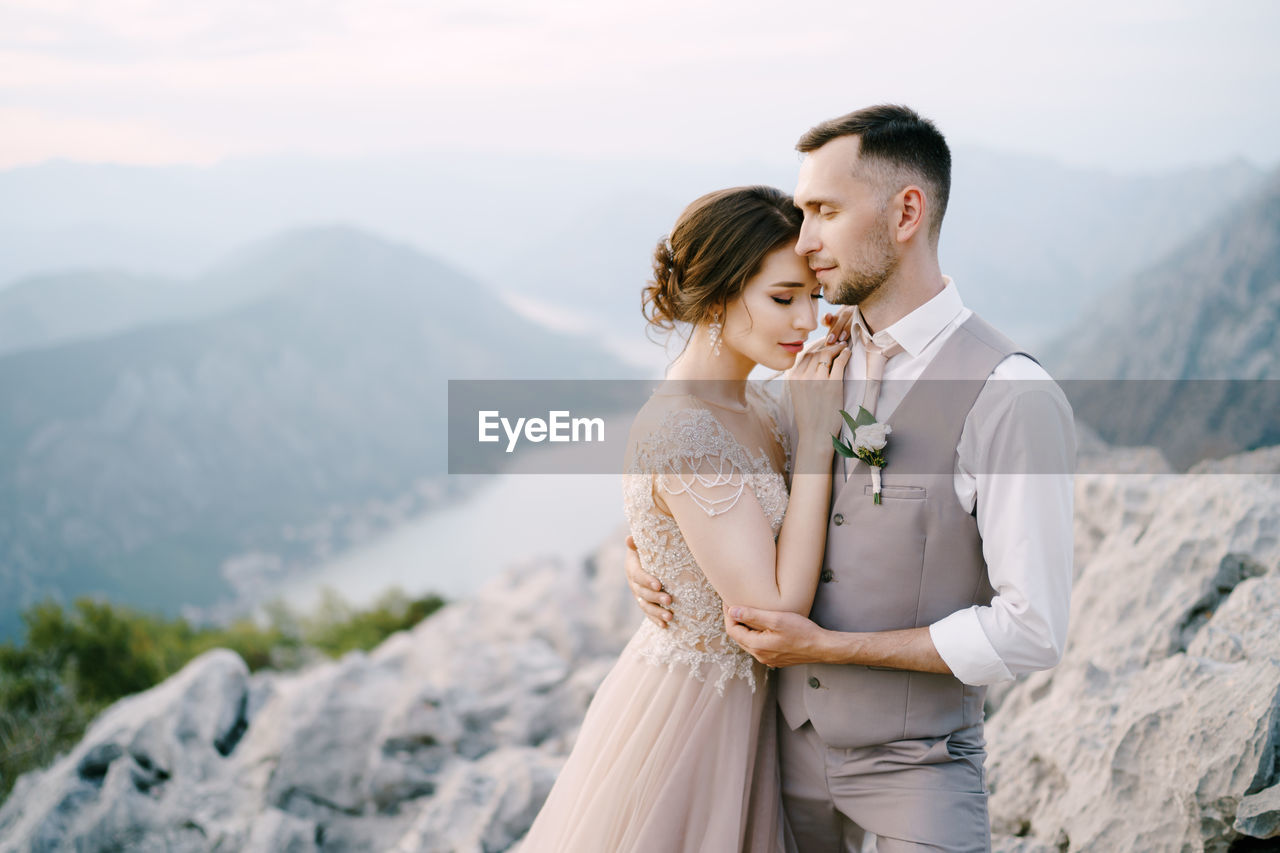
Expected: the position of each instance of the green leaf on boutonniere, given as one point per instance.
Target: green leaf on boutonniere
(860, 420)
(849, 419)
(843, 449)
(863, 418)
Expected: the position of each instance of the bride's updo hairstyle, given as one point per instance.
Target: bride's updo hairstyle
(718, 243)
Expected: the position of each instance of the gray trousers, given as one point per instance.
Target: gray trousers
(926, 794)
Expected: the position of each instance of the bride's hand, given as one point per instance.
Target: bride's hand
(818, 394)
(841, 324)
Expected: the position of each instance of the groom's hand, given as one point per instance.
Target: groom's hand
(776, 638)
(646, 589)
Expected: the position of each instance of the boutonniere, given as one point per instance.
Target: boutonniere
(869, 440)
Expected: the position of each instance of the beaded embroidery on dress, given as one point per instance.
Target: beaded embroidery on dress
(691, 452)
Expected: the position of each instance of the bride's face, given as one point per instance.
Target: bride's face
(777, 309)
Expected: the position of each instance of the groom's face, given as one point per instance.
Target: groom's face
(846, 236)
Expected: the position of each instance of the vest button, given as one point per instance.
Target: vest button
(814, 683)
(838, 519)
(827, 575)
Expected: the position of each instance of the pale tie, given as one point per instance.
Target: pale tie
(876, 358)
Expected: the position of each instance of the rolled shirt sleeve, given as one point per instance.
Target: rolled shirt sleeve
(1016, 459)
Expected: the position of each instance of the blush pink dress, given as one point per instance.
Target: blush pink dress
(677, 751)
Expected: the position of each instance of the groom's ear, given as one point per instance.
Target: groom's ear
(912, 211)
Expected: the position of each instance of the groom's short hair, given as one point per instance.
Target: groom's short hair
(896, 137)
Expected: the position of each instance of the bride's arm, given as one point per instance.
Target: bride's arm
(727, 531)
(736, 550)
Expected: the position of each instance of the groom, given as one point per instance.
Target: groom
(961, 576)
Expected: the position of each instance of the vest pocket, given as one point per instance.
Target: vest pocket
(908, 493)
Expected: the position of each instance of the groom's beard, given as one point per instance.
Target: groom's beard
(877, 266)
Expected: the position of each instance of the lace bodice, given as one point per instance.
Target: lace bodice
(690, 451)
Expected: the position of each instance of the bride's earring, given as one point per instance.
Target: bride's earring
(713, 331)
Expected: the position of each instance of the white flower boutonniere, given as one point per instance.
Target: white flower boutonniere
(869, 440)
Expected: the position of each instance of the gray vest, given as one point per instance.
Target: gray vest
(904, 563)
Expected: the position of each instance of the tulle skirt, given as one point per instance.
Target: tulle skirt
(664, 762)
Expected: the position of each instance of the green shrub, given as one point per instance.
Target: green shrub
(76, 661)
(336, 628)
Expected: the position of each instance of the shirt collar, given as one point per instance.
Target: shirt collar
(916, 330)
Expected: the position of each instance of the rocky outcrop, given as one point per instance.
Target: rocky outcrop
(446, 737)
(1160, 729)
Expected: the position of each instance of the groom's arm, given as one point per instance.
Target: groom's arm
(1018, 453)
(1016, 459)
(785, 639)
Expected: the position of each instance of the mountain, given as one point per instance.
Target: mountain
(66, 306)
(63, 307)
(1188, 352)
(1209, 309)
(138, 464)
(467, 208)
(1033, 243)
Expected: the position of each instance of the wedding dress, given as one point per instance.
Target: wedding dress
(678, 751)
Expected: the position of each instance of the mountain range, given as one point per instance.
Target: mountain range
(1186, 357)
(287, 402)
(1208, 309)
(1029, 241)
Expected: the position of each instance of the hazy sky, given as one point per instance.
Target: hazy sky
(1132, 85)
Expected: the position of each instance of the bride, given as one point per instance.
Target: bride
(677, 750)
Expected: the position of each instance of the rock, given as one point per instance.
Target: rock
(337, 712)
(1259, 814)
(117, 787)
(275, 831)
(1012, 844)
(484, 806)
(1163, 717)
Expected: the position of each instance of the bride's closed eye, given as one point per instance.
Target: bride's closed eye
(790, 299)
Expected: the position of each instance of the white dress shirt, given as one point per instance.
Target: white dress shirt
(1024, 519)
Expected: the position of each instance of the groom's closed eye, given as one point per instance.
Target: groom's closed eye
(819, 205)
